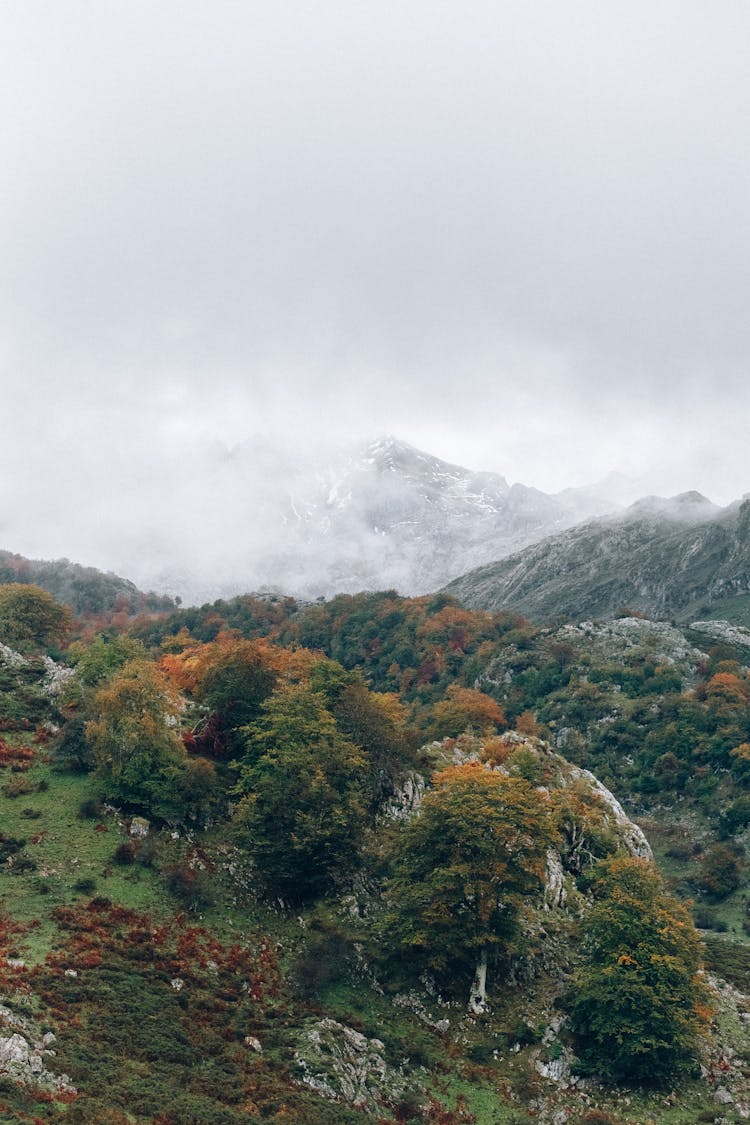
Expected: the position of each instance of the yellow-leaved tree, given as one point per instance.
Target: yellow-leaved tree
(462, 867)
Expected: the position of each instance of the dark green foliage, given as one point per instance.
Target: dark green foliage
(22, 864)
(98, 660)
(85, 886)
(236, 683)
(140, 759)
(364, 718)
(327, 957)
(249, 616)
(736, 817)
(191, 886)
(635, 1004)
(10, 846)
(90, 808)
(301, 816)
(71, 748)
(124, 854)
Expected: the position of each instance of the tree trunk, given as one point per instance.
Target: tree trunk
(478, 994)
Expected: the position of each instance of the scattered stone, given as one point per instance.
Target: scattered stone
(343, 1065)
(554, 884)
(139, 827)
(177, 984)
(11, 658)
(723, 631)
(23, 1063)
(56, 677)
(632, 836)
(254, 1044)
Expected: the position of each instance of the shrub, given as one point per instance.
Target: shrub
(18, 787)
(85, 886)
(323, 961)
(124, 854)
(720, 872)
(190, 886)
(90, 809)
(22, 864)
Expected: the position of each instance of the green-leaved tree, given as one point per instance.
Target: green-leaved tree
(31, 617)
(302, 812)
(134, 740)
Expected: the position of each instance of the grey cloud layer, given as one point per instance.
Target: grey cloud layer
(514, 232)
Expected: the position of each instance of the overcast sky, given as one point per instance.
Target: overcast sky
(516, 234)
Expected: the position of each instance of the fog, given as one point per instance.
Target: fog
(514, 234)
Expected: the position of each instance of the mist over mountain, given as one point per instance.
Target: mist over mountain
(681, 557)
(381, 515)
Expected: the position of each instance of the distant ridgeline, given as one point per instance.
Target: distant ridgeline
(88, 591)
(679, 559)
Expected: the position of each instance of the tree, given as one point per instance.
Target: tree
(720, 872)
(97, 661)
(638, 1003)
(236, 681)
(231, 678)
(464, 709)
(464, 864)
(134, 741)
(302, 815)
(374, 722)
(31, 616)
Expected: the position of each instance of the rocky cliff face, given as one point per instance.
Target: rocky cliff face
(667, 559)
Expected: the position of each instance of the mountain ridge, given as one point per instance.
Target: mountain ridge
(667, 558)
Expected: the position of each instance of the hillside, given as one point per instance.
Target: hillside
(679, 559)
(89, 592)
(374, 860)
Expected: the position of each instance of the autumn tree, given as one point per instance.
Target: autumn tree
(462, 869)
(373, 721)
(230, 678)
(638, 1003)
(301, 815)
(29, 616)
(94, 663)
(135, 744)
(466, 709)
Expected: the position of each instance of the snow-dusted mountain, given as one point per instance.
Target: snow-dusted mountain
(379, 516)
